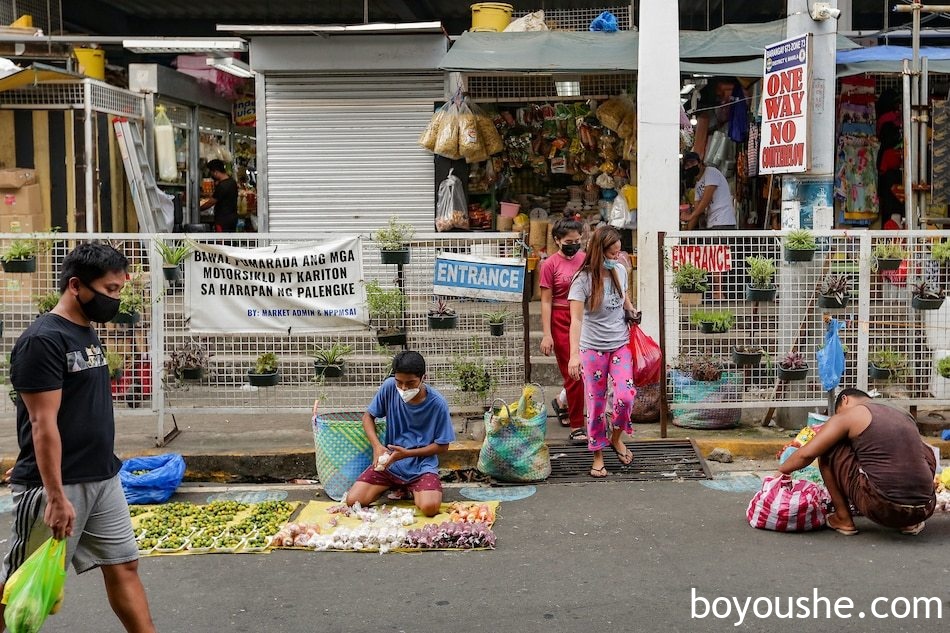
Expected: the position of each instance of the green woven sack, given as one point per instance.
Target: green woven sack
(514, 448)
(342, 449)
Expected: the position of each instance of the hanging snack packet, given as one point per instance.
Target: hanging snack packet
(447, 142)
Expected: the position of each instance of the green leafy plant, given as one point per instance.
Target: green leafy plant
(497, 317)
(266, 363)
(335, 354)
(25, 248)
(394, 236)
(131, 298)
(690, 278)
(762, 272)
(891, 360)
(721, 320)
(441, 308)
(800, 240)
(45, 303)
(793, 361)
(835, 285)
(189, 355)
(472, 374)
(173, 253)
(700, 367)
(116, 364)
(940, 252)
(889, 250)
(943, 367)
(927, 290)
(385, 305)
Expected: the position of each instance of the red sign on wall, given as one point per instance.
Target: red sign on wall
(714, 258)
(784, 132)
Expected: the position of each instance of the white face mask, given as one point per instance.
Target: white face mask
(407, 394)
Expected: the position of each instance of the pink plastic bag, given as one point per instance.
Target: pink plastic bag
(647, 357)
(786, 506)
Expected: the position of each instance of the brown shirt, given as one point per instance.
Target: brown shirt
(894, 457)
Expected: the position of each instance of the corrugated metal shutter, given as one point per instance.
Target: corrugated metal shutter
(341, 151)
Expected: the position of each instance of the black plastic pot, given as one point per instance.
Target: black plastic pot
(328, 371)
(799, 255)
(707, 327)
(497, 329)
(888, 264)
(832, 302)
(395, 338)
(746, 359)
(920, 303)
(878, 373)
(172, 273)
(191, 373)
(791, 375)
(690, 297)
(263, 380)
(128, 319)
(443, 322)
(394, 257)
(760, 294)
(20, 265)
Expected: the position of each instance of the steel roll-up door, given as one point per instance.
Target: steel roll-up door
(342, 153)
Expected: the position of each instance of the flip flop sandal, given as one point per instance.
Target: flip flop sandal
(842, 530)
(914, 530)
(579, 436)
(561, 412)
(599, 473)
(626, 457)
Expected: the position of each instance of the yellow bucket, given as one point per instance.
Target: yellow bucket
(92, 62)
(491, 16)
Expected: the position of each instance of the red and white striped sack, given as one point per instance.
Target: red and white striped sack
(784, 505)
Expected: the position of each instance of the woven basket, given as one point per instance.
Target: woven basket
(726, 389)
(343, 451)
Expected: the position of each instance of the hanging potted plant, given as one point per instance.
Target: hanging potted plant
(885, 364)
(265, 372)
(888, 256)
(393, 241)
(386, 309)
(762, 272)
(793, 367)
(329, 361)
(747, 355)
(927, 296)
(442, 317)
(131, 302)
(690, 282)
(471, 376)
(496, 321)
(20, 255)
(800, 246)
(116, 363)
(700, 367)
(188, 362)
(45, 303)
(834, 291)
(943, 367)
(713, 321)
(173, 254)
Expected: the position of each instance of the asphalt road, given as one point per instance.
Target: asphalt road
(595, 557)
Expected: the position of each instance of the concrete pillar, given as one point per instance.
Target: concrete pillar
(658, 104)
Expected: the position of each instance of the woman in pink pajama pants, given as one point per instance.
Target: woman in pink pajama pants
(600, 312)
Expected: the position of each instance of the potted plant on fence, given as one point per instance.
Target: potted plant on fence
(471, 376)
(700, 367)
(20, 255)
(116, 363)
(690, 282)
(834, 291)
(496, 321)
(927, 296)
(762, 272)
(188, 362)
(713, 321)
(747, 355)
(265, 372)
(393, 241)
(441, 316)
(173, 254)
(45, 303)
(888, 256)
(131, 302)
(329, 361)
(885, 364)
(793, 367)
(943, 367)
(800, 246)
(386, 308)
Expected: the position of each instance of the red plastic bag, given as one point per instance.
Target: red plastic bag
(647, 358)
(786, 506)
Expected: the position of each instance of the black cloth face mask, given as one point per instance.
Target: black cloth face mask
(570, 249)
(101, 308)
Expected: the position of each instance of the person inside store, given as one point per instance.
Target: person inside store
(224, 199)
(601, 315)
(872, 456)
(557, 272)
(65, 482)
(418, 429)
(712, 196)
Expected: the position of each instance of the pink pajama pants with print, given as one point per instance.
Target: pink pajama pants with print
(597, 366)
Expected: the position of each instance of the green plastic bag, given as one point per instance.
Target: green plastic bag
(35, 589)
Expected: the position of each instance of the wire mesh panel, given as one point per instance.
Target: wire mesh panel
(47, 14)
(498, 87)
(51, 95)
(579, 19)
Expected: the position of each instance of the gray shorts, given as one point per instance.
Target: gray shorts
(102, 532)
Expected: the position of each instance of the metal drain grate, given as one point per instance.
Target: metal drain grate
(652, 461)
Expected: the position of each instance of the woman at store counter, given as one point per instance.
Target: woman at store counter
(557, 272)
(601, 313)
(224, 199)
(713, 197)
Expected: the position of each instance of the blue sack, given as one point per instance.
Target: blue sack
(605, 22)
(164, 475)
(831, 357)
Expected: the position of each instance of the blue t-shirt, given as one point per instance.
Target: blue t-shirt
(413, 426)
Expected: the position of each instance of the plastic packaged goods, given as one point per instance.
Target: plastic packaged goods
(165, 146)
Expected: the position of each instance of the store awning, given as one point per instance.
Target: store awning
(740, 40)
(889, 59)
(35, 74)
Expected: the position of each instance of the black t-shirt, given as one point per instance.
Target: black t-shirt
(55, 353)
(225, 204)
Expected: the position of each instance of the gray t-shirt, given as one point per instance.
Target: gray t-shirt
(603, 330)
(720, 211)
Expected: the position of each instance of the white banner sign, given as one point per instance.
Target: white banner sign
(784, 131)
(288, 289)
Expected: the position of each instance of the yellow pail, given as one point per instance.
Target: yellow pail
(92, 62)
(491, 16)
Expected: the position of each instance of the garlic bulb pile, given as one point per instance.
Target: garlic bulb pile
(383, 535)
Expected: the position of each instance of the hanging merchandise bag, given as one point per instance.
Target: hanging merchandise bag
(514, 448)
(487, 132)
(647, 357)
(831, 357)
(447, 142)
(431, 133)
(35, 589)
(451, 210)
(151, 479)
(470, 143)
(165, 146)
(786, 506)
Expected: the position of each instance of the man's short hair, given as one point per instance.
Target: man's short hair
(851, 392)
(216, 164)
(91, 261)
(409, 362)
(688, 156)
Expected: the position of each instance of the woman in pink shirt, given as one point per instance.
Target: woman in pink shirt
(557, 272)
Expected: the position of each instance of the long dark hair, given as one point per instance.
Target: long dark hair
(603, 238)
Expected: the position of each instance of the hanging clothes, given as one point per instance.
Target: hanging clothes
(856, 178)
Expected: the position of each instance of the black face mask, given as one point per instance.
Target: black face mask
(101, 308)
(691, 173)
(570, 249)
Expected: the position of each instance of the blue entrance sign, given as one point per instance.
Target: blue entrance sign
(496, 278)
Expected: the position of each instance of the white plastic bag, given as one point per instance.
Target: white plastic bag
(451, 212)
(165, 146)
(530, 22)
(619, 213)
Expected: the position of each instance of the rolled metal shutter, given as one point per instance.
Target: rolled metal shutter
(341, 151)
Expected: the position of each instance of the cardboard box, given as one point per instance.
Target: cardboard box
(21, 223)
(16, 177)
(26, 200)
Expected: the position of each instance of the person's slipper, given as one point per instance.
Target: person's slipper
(625, 457)
(579, 436)
(561, 412)
(598, 473)
(914, 530)
(842, 530)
